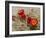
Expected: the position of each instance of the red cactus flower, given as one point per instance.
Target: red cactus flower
(21, 14)
(32, 21)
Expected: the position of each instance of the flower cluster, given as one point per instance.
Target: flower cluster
(31, 21)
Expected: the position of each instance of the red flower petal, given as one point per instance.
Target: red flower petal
(34, 22)
(21, 14)
(28, 20)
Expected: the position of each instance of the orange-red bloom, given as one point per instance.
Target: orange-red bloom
(32, 21)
